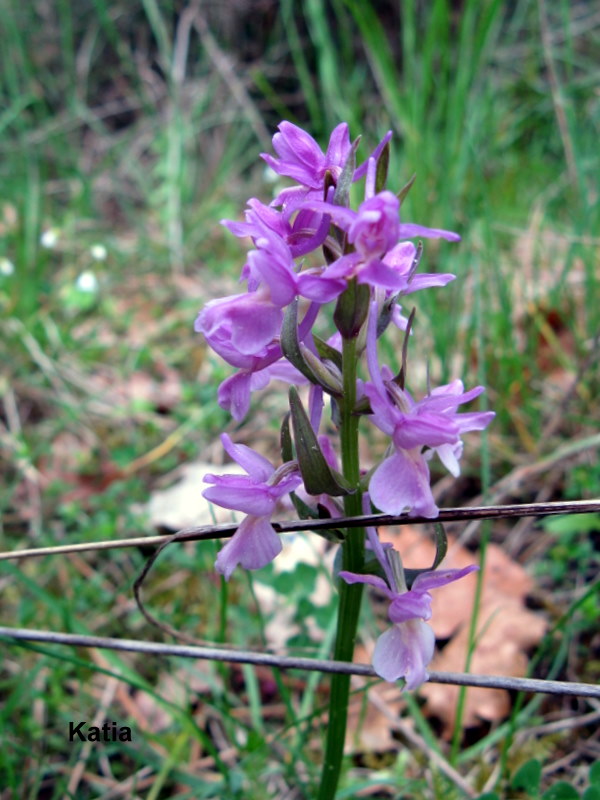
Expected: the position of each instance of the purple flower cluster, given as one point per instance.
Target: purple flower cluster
(367, 264)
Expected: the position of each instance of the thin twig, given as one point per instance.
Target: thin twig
(560, 725)
(137, 593)
(210, 532)
(291, 662)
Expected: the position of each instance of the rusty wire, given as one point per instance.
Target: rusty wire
(210, 532)
(15, 635)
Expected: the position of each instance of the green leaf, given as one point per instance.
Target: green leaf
(406, 189)
(289, 340)
(572, 523)
(385, 316)
(336, 535)
(595, 773)
(401, 376)
(326, 351)
(336, 416)
(351, 309)
(317, 475)
(488, 796)
(290, 345)
(383, 164)
(411, 574)
(441, 544)
(285, 440)
(528, 777)
(591, 793)
(561, 791)
(303, 509)
(363, 406)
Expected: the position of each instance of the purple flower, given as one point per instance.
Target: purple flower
(256, 370)
(379, 259)
(406, 648)
(239, 325)
(243, 325)
(301, 158)
(255, 543)
(376, 225)
(401, 481)
(234, 392)
(303, 231)
(272, 264)
(397, 272)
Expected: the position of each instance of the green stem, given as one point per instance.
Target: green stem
(350, 595)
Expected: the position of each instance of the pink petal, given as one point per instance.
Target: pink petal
(409, 230)
(401, 257)
(234, 395)
(427, 281)
(360, 171)
(410, 605)
(425, 428)
(404, 651)
(258, 467)
(440, 577)
(401, 482)
(449, 455)
(319, 288)
(232, 492)
(294, 143)
(276, 273)
(377, 273)
(339, 146)
(372, 580)
(254, 325)
(254, 545)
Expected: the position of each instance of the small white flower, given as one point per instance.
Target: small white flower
(49, 238)
(87, 282)
(6, 267)
(98, 252)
